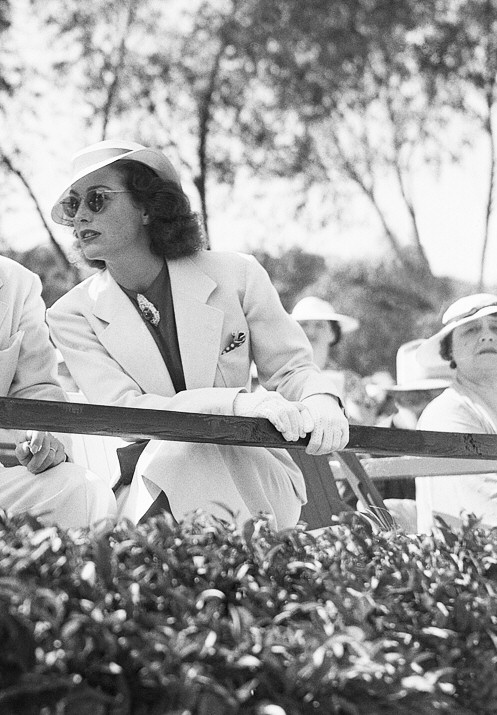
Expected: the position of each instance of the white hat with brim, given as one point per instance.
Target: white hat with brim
(312, 308)
(419, 385)
(97, 156)
(413, 377)
(463, 311)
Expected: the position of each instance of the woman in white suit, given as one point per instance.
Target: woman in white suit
(167, 325)
(44, 484)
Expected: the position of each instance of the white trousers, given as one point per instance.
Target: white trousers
(67, 495)
(233, 483)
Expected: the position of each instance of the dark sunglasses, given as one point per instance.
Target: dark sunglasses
(94, 198)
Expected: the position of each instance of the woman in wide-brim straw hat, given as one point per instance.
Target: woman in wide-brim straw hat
(325, 327)
(467, 342)
(167, 325)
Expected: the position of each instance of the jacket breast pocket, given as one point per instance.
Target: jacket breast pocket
(9, 358)
(233, 368)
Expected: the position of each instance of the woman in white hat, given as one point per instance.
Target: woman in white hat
(415, 387)
(167, 325)
(468, 343)
(324, 327)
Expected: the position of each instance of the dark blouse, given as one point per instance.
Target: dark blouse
(165, 334)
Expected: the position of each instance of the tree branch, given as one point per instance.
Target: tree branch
(491, 184)
(396, 162)
(4, 159)
(205, 116)
(118, 67)
(351, 171)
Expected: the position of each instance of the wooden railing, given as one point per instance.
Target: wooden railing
(426, 451)
(131, 423)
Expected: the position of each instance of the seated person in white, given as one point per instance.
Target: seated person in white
(468, 342)
(44, 484)
(416, 386)
(167, 325)
(325, 329)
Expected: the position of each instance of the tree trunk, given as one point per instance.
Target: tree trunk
(368, 191)
(491, 184)
(118, 67)
(58, 249)
(423, 262)
(204, 117)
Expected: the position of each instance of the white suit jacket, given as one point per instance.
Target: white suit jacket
(115, 361)
(28, 363)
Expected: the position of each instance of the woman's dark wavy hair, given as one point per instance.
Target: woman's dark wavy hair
(446, 350)
(174, 229)
(337, 332)
(337, 336)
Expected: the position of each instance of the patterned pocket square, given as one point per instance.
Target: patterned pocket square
(237, 339)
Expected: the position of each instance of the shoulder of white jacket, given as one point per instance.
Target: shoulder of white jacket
(79, 292)
(9, 268)
(449, 399)
(221, 258)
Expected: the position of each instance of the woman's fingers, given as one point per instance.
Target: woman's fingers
(327, 438)
(331, 428)
(40, 451)
(320, 415)
(307, 419)
(285, 416)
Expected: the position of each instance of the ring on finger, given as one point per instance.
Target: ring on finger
(52, 449)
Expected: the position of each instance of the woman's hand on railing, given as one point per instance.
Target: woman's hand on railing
(290, 418)
(39, 451)
(330, 429)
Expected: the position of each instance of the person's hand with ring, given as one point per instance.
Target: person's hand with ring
(39, 451)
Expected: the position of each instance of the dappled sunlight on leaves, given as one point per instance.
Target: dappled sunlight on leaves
(203, 618)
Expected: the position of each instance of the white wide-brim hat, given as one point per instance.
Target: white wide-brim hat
(312, 308)
(412, 376)
(464, 310)
(103, 153)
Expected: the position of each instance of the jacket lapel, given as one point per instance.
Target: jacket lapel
(199, 325)
(127, 338)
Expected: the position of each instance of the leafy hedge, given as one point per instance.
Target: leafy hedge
(203, 619)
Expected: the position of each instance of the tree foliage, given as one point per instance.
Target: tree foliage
(4, 25)
(352, 104)
(43, 261)
(391, 310)
(292, 272)
(360, 97)
(458, 57)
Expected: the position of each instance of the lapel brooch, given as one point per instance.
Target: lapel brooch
(237, 339)
(148, 310)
